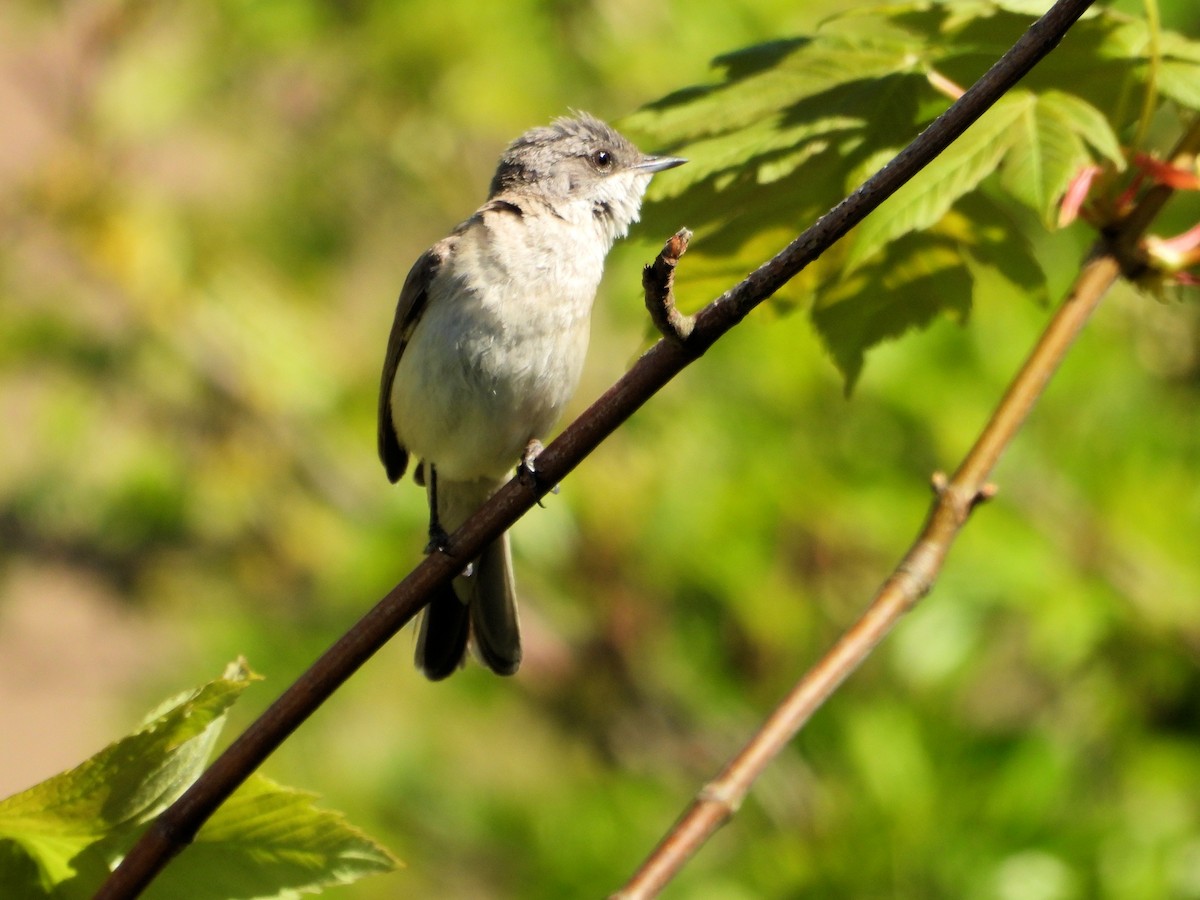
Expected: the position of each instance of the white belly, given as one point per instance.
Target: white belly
(486, 371)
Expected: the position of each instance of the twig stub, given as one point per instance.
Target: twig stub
(658, 280)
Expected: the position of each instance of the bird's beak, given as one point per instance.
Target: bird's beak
(659, 163)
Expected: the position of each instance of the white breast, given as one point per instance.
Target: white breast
(500, 347)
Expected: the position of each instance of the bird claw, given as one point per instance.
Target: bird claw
(527, 467)
(439, 540)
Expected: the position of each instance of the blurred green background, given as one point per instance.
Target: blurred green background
(207, 212)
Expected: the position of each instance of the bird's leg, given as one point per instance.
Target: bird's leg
(532, 451)
(438, 539)
(527, 467)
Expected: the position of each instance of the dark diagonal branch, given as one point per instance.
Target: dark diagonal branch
(176, 827)
(912, 579)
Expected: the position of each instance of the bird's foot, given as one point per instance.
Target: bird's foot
(527, 472)
(439, 540)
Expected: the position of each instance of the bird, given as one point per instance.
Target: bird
(486, 349)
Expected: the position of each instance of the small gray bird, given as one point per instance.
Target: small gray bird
(486, 350)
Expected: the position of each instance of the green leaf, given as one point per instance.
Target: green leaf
(1180, 80)
(270, 841)
(928, 196)
(731, 207)
(797, 123)
(122, 786)
(21, 875)
(762, 81)
(980, 245)
(1085, 120)
(993, 234)
(729, 151)
(61, 837)
(916, 278)
(1042, 158)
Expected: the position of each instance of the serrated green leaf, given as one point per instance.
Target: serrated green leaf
(962, 28)
(1043, 156)
(124, 784)
(927, 197)
(770, 160)
(729, 151)
(705, 110)
(800, 70)
(819, 164)
(270, 841)
(1086, 121)
(979, 243)
(994, 236)
(1173, 61)
(918, 277)
(747, 61)
(782, 165)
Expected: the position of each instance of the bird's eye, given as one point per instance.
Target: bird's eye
(602, 158)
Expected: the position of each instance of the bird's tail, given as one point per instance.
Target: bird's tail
(479, 605)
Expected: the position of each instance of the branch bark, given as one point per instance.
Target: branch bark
(1115, 255)
(658, 281)
(176, 827)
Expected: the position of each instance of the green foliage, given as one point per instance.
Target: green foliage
(209, 209)
(61, 837)
(792, 125)
(268, 840)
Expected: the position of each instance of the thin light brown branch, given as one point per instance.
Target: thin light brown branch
(914, 576)
(176, 827)
(909, 582)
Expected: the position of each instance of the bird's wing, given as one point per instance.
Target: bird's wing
(413, 298)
